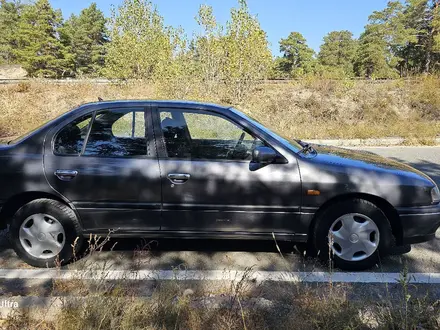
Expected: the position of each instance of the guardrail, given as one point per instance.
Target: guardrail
(113, 81)
(58, 81)
(11, 81)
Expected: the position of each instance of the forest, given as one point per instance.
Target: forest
(384, 83)
(401, 40)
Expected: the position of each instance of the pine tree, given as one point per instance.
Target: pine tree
(382, 45)
(338, 51)
(279, 69)
(85, 37)
(9, 17)
(409, 32)
(38, 48)
(422, 16)
(298, 57)
(373, 59)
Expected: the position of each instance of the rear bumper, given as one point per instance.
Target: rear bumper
(419, 224)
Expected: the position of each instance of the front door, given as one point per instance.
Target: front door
(208, 183)
(104, 164)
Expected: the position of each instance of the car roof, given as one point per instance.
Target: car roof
(101, 105)
(158, 103)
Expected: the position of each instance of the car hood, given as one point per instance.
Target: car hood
(364, 160)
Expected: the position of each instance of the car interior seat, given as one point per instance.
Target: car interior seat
(175, 138)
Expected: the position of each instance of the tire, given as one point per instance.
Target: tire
(43, 233)
(372, 237)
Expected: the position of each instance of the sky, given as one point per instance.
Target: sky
(313, 18)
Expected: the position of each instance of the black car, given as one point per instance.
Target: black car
(192, 170)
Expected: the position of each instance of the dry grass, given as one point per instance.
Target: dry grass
(239, 304)
(308, 109)
(348, 110)
(173, 305)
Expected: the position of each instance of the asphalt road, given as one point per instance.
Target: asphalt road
(240, 255)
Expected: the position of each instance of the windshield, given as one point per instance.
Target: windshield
(290, 144)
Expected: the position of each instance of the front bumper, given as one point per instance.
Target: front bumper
(419, 224)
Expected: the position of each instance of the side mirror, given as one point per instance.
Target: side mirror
(264, 155)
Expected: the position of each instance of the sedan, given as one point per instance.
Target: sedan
(192, 170)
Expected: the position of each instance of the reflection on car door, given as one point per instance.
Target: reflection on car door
(104, 164)
(207, 183)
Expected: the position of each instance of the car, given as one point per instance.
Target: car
(175, 169)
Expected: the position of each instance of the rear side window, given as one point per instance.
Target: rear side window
(117, 133)
(70, 140)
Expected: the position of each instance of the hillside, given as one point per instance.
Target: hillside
(306, 109)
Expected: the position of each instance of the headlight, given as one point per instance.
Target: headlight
(435, 195)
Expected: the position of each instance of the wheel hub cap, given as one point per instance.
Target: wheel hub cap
(42, 236)
(354, 237)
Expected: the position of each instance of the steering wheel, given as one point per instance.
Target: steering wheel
(254, 144)
(240, 140)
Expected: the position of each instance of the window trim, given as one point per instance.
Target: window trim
(58, 131)
(86, 139)
(160, 141)
(133, 124)
(150, 151)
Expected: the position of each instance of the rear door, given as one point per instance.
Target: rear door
(105, 164)
(208, 183)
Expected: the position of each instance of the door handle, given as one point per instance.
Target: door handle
(66, 175)
(178, 178)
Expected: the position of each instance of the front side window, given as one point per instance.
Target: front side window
(202, 135)
(117, 133)
(70, 140)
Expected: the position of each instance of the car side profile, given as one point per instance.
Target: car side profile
(194, 170)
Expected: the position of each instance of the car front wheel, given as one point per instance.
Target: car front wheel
(45, 233)
(354, 234)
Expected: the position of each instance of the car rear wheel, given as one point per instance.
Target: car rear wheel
(45, 232)
(354, 234)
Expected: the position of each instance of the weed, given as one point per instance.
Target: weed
(239, 305)
(23, 87)
(408, 310)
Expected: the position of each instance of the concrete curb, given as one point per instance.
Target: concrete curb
(216, 275)
(388, 142)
